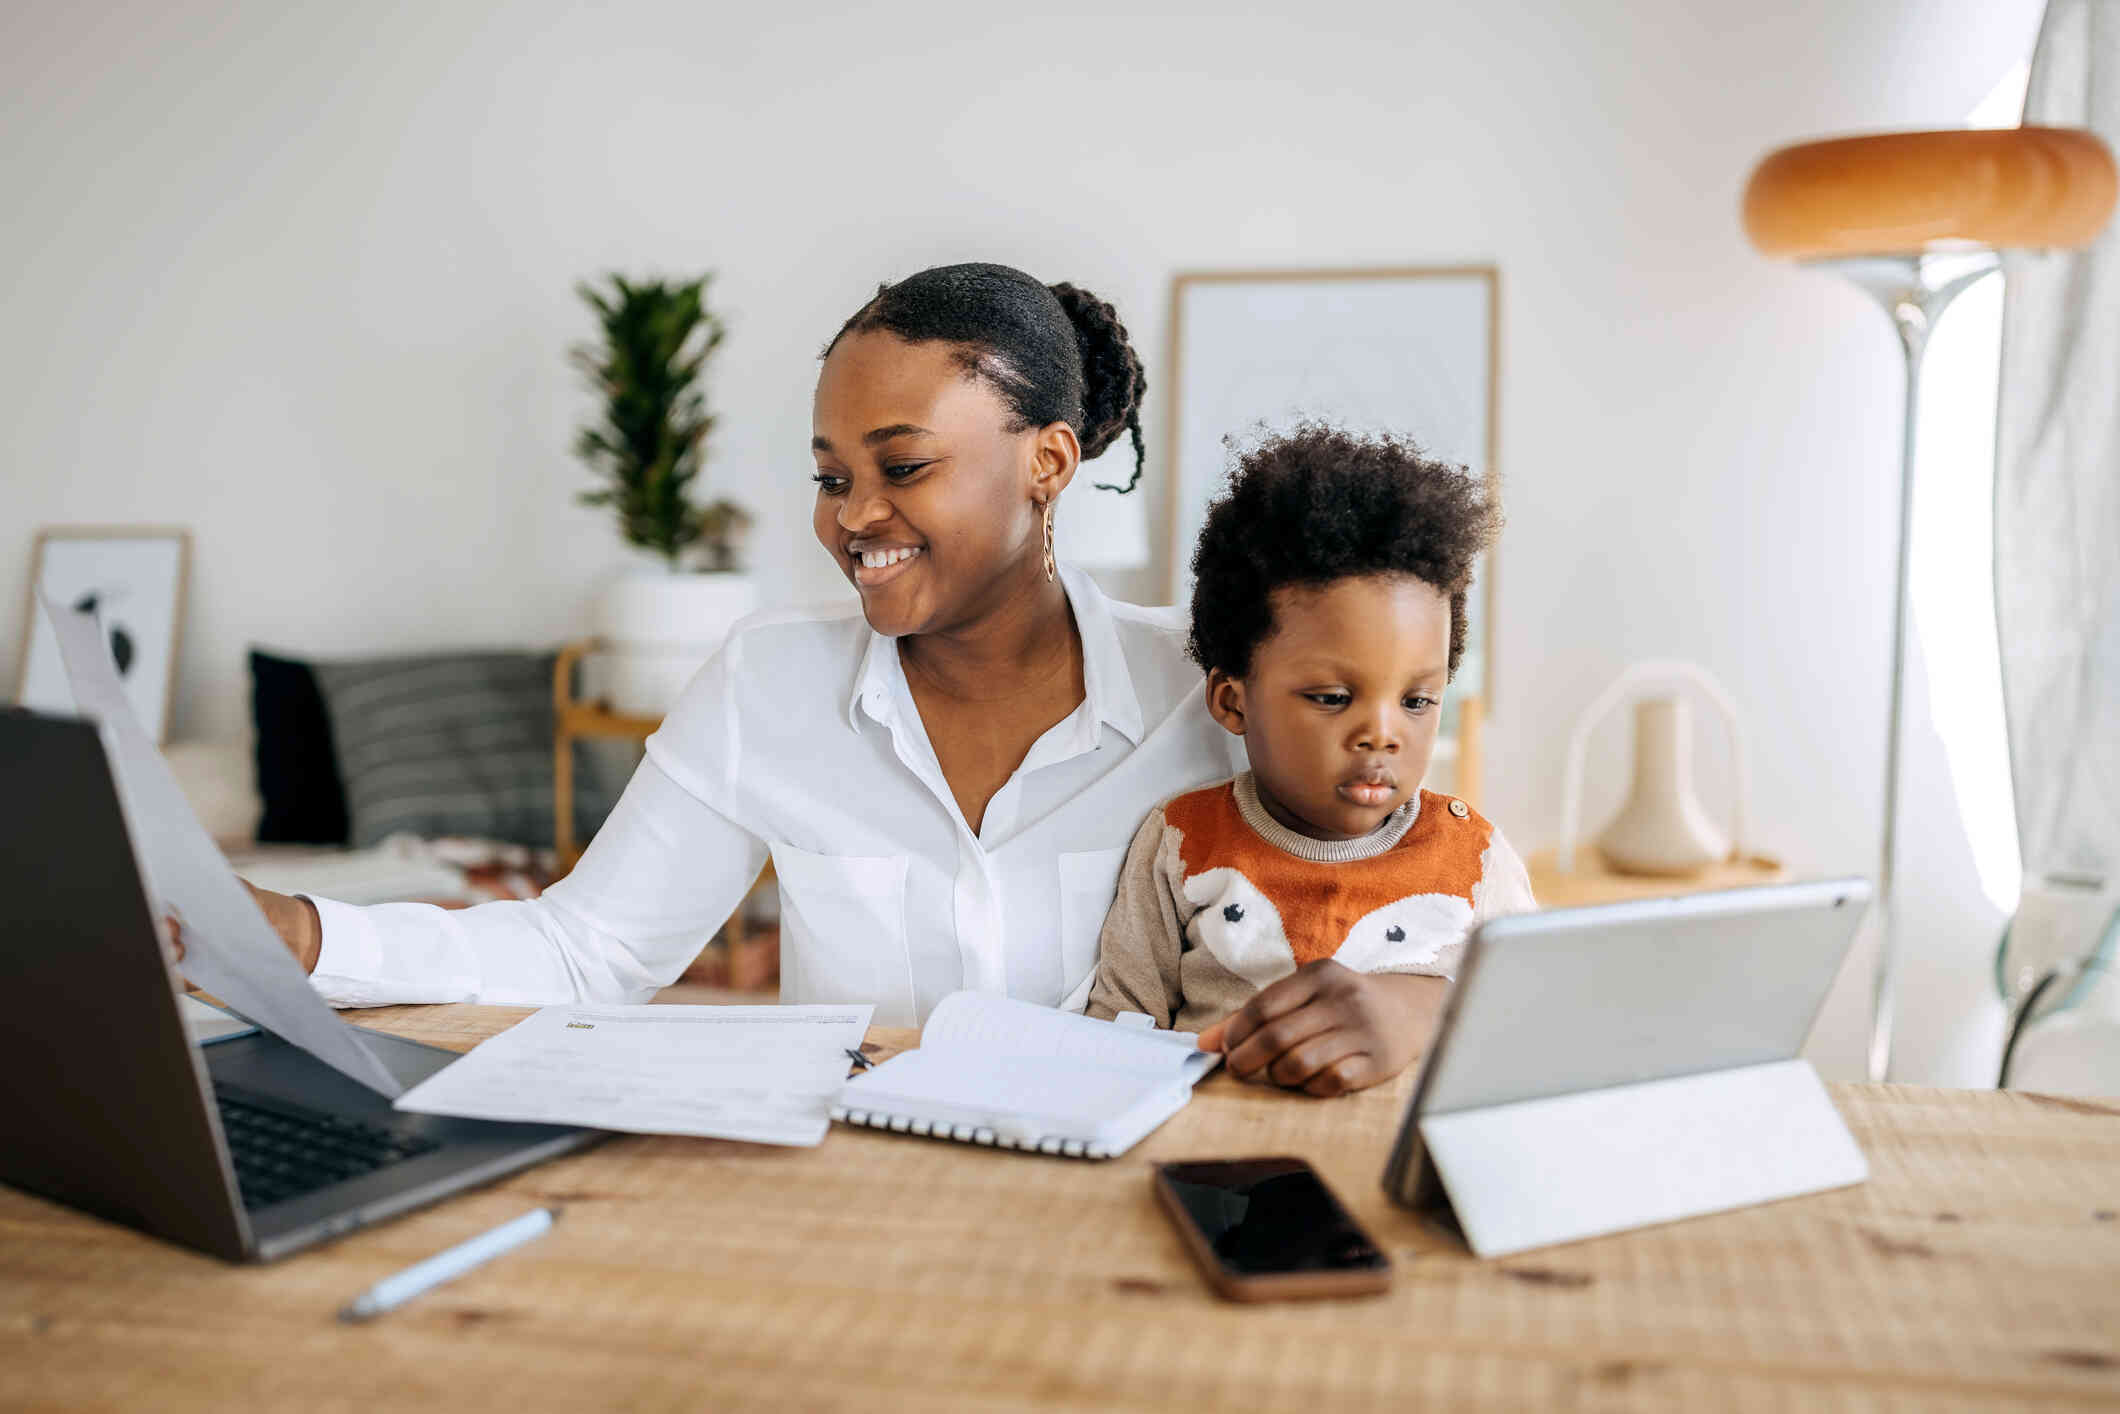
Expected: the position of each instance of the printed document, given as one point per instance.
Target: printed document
(229, 948)
(766, 1074)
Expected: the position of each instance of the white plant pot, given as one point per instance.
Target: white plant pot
(661, 627)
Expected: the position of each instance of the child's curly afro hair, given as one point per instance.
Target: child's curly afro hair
(1318, 504)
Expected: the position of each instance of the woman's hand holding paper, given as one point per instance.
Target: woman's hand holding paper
(293, 918)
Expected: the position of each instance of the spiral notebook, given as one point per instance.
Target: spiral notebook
(991, 1070)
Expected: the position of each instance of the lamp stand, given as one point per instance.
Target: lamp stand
(1913, 290)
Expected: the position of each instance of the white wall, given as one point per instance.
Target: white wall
(299, 278)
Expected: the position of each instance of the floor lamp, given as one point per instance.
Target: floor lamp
(1915, 219)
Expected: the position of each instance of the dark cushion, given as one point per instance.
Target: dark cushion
(455, 744)
(298, 774)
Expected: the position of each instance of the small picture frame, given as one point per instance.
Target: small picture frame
(133, 579)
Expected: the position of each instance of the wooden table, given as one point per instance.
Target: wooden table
(1978, 1269)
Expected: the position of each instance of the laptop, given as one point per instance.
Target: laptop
(247, 1148)
(1605, 1067)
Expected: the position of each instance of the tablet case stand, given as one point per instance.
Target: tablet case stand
(1531, 1173)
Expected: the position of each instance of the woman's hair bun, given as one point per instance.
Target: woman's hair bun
(1112, 378)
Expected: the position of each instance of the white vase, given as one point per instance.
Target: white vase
(1662, 829)
(661, 627)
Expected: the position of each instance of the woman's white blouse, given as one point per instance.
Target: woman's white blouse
(800, 739)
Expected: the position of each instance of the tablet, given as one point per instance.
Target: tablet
(1614, 999)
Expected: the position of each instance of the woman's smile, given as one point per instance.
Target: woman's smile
(877, 565)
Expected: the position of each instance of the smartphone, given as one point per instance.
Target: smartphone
(1269, 1230)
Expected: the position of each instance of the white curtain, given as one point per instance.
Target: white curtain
(2057, 542)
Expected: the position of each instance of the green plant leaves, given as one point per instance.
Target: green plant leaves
(651, 439)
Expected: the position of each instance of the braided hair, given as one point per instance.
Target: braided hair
(1054, 353)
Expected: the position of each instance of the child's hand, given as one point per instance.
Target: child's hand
(1327, 1029)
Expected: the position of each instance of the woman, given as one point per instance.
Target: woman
(946, 779)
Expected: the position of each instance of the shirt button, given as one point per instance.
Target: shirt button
(1460, 809)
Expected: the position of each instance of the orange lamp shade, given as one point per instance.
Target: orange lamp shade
(1900, 193)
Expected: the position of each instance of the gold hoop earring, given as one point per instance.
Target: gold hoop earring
(1052, 567)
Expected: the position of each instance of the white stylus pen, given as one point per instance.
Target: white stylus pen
(395, 1290)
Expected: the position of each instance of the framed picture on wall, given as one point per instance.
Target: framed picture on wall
(132, 579)
(1408, 351)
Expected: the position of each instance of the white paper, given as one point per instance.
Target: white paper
(983, 1024)
(1001, 1070)
(767, 1074)
(1024, 1097)
(229, 948)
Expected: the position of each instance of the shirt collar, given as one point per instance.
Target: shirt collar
(1107, 684)
(1106, 681)
(876, 684)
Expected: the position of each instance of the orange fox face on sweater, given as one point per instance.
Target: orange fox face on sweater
(1218, 900)
(1263, 912)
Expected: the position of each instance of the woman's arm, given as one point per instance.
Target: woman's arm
(663, 873)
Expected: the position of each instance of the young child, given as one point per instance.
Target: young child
(1305, 913)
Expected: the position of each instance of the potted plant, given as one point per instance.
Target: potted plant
(665, 618)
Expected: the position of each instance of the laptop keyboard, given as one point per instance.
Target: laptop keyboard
(281, 1152)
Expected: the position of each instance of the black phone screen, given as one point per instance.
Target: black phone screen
(1266, 1216)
